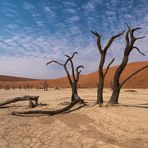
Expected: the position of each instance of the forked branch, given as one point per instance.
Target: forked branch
(112, 39)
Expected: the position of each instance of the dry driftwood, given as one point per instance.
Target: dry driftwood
(50, 113)
(24, 98)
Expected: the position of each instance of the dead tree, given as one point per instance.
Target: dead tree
(24, 98)
(50, 113)
(45, 85)
(130, 45)
(103, 52)
(74, 78)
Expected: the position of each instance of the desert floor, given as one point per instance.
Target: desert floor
(88, 127)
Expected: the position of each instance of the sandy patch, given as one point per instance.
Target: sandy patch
(88, 127)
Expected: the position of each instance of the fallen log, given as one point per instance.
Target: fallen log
(50, 113)
(33, 100)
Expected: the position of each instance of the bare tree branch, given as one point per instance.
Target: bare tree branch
(72, 65)
(74, 54)
(98, 41)
(112, 39)
(138, 38)
(108, 66)
(53, 61)
(127, 26)
(130, 76)
(132, 33)
(78, 72)
(127, 37)
(139, 50)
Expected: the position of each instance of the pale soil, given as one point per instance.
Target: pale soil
(88, 127)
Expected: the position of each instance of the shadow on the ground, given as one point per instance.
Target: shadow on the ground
(137, 105)
(11, 106)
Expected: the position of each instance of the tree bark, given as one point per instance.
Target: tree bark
(130, 41)
(74, 95)
(50, 112)
(103, 52)
(101, 81)
(116, 84)
(24, 98)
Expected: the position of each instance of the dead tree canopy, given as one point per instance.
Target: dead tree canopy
(103, 52)
(33, 100)
(130, 46)
(73, 78)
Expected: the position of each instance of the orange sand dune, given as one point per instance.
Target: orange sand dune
(11, 78)
(89, 80)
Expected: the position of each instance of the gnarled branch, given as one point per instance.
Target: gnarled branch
(78, 72)
(139, 50)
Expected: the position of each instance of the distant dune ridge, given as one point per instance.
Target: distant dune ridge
(87, 81)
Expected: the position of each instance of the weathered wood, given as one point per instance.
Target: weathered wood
(24, 98)
(130, 45)
(73, 80)
(103, 52)
(58, 111)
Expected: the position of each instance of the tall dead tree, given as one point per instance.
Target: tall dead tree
(103, 52)
(74, 78)
(130, 45)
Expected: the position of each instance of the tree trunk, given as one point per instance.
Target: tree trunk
(74, 95)
(101, 81)
(114, 96)
(24, 98)
(116, 83)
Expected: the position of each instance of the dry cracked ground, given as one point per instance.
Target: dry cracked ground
(122, 126)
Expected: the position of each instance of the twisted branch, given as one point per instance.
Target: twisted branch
(139, 50)
(78, 72)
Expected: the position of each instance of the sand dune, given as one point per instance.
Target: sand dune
(88, 80)
(11, 78)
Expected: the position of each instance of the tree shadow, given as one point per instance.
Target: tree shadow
(11, 106)
(137, 106)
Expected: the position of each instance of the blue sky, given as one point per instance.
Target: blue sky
(34, 32)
